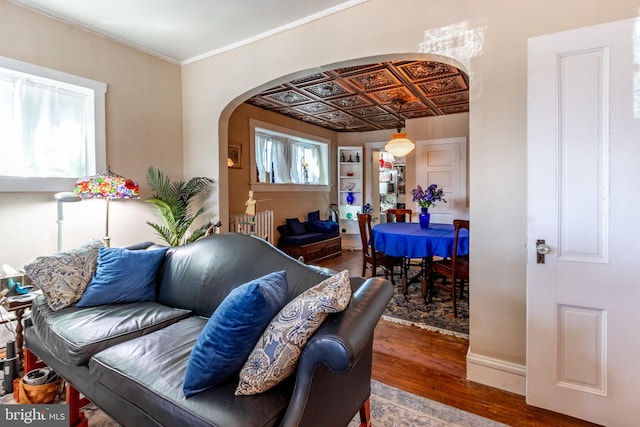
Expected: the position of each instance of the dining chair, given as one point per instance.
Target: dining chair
(399, 215)
(375, 259)
(453, 269)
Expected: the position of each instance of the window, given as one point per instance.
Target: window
(52, 127)
(283, 156)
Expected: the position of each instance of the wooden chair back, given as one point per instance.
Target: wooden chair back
(366, 236)
(372, 259)
(454, 269)
(399, 215)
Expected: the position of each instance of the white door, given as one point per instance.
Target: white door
(583, 303)
(443, 162)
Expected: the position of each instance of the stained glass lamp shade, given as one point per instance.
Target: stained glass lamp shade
(107, 186)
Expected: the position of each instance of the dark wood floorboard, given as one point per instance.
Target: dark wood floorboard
(433, 365)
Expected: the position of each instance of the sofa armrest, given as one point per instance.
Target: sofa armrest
(343, 336)
(328, 374)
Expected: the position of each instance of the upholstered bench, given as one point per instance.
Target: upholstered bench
(313, 240)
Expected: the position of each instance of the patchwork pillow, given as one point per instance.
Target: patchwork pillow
(63, 277)
(123, 275)
(295, 227)
(232, 331)
(276, 353)
(313, 216)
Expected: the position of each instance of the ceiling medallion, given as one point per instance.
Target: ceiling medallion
(327, 90)
(288, 98)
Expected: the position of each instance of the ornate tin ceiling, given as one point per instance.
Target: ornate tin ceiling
(364, 98)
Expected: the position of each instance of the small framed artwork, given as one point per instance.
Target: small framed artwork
(234, 155)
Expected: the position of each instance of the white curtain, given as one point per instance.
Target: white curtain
(284, 157)
(43, 128)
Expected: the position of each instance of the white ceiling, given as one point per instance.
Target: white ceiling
(183, 31)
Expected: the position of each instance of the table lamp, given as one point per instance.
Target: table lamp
(107, 186)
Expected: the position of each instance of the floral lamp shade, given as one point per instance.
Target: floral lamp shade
(107, 186)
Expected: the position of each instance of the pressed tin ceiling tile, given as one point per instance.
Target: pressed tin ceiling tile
(361, 98)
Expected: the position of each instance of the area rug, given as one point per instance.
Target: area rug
(437, 315)
(390, 407)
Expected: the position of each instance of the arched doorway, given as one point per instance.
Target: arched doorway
(353, 100)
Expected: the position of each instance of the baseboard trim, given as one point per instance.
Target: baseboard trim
(497, 373)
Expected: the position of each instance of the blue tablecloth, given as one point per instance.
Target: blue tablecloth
(409, 240)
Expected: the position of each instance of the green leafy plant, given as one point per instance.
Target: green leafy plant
(171, 203)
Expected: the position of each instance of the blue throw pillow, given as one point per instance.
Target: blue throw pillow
(232, 330)
(324, 226)
(295, 227)
(313, 216)
(123, 275)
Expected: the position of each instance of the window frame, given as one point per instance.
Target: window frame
(46, 184)
(292, 134)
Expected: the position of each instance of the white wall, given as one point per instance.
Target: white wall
(490, 40)
(144, 127)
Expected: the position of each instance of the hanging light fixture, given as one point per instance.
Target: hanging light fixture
(399, 145)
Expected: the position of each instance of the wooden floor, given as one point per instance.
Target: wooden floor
(433, 365)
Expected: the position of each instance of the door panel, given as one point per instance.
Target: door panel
(443, 162)
(583, 301)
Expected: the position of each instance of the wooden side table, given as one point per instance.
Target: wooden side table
(18, 304)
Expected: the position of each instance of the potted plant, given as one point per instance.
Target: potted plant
(171, 203)
(426, 199)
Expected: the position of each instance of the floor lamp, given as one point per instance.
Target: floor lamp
(107, 186)
(63, 197)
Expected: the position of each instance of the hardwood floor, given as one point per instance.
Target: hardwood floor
(433, 365)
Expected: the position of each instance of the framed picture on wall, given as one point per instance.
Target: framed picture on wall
(234, 155)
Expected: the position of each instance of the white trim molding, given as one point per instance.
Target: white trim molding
(497, 373)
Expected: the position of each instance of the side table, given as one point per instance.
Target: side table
(18, 304)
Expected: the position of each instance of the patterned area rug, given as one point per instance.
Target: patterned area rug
(390, 407)
(436, 315)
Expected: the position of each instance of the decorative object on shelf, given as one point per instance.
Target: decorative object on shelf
(63, 197)
(342, 157)
(399, 145)
(426, 199)
(357, 157)
(350, 186)
(350, 198)
(305, 170)
(107, 186)
(350, 159)
(367, 209)
(170, 202)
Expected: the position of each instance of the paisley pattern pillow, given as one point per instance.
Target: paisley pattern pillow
(276, 353)
(63, 277)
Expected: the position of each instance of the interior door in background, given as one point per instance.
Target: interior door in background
(583, 302)
(443, 162)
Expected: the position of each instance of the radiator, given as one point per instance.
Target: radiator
(262, 224)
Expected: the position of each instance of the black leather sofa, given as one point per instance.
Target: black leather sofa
(130, 359)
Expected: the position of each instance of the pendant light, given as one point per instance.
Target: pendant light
(399, 145)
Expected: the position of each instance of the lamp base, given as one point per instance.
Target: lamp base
(106, 240)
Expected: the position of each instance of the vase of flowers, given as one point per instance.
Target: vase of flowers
(426, 199)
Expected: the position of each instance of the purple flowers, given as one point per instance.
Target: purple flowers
(428, 197)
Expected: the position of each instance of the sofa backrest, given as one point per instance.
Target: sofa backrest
(199, 275)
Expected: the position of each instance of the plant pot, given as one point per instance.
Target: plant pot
(424, 216)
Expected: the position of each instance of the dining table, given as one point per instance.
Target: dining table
(409, 241)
